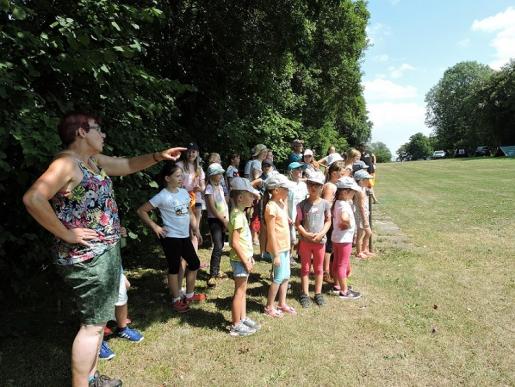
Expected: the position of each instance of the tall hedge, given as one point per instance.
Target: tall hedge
(227, 74)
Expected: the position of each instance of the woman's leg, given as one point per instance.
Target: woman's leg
(85, 353)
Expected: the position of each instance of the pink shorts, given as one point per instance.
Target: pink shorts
(308, 249)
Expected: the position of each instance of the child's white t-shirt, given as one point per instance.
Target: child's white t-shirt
(219, 200)
(231, 172)
(174, 208)
(338, 235)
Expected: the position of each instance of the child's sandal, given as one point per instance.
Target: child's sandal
(287, 309)
(272, 312)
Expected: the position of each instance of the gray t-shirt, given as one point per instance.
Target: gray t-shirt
(250, 167)
(312, 216)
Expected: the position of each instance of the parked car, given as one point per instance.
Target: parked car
(439, 154)
(461, 152)
(483, 151)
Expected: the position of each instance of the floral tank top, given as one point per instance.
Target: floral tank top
(90, 205)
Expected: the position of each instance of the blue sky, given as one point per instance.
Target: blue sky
(413, 42)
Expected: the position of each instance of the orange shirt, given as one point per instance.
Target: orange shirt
(277, 217)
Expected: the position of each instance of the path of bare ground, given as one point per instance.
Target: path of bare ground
(387, 233)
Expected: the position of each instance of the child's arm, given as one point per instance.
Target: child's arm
(344, 221)
(327, 224)
(270, 231)
(210, 201)
(328, 192)
(193, 225)
(300, 227)
(235, 245)
(143, 212)
(361, 208)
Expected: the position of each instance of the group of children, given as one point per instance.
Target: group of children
(322, 216)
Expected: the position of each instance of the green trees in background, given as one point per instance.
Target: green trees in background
(418, 147)
(225, 74)
(381, 151)
(473, 105)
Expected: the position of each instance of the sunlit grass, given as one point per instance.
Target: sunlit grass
(437, 310)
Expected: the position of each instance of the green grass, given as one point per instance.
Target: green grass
(437, 310)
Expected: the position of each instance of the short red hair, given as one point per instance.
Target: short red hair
(72, 122)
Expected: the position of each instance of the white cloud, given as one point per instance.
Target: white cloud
(503, 24)
(395, 122)
(398, 72)
(385, 90)
(382, 58)
(399, 113)
(377, 32)
(464, 42)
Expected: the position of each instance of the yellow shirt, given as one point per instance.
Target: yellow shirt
(277, 217)
(238, 221)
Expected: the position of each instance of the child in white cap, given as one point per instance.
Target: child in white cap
(217, 218)
(241, 255)
(362, 212)
(278, 243)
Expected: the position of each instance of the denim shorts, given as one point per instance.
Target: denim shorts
(282, 272)
(238, 270)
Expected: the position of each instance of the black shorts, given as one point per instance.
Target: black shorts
(177, 248)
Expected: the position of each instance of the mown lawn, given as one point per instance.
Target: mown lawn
(438, 310)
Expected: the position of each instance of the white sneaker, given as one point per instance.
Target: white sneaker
(251, 323)
(241, 329)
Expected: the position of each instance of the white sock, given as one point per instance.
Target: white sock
(189, 295)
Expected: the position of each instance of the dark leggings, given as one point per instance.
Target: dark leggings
(216, 228)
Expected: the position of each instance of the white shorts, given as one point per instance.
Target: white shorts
(122, 292)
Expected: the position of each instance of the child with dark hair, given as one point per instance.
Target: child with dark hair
(173, 203)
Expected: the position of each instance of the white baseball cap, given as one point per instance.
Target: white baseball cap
(242, 184)
(308, 152)
(316, 177)
(362, 174)
(278, 181)
(333, 157)
(215, 169)
(347, 183)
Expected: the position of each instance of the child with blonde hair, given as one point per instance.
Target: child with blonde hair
(217, 218)
(241, 255)
(313, 221)
(278, 243)
(344, 226)
(362, 212)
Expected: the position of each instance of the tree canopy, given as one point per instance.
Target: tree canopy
(226, 74)
(418, 147)
(472, 105)
(383, 154)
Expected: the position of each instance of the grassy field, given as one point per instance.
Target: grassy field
(437, 309)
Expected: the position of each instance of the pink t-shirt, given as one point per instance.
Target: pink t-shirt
(192, 180)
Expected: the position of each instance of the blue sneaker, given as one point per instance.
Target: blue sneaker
(129, 334)
(105, 352)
